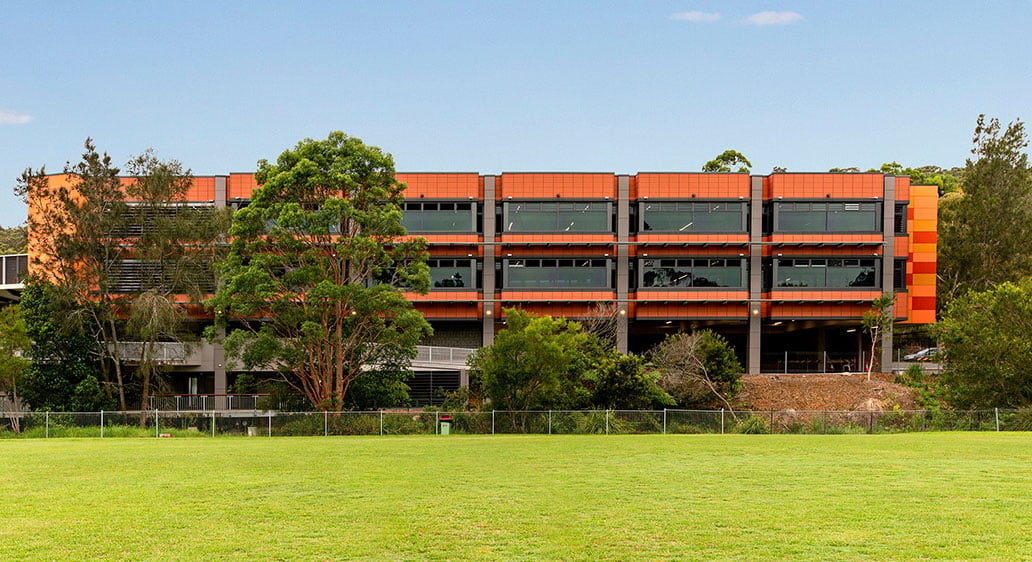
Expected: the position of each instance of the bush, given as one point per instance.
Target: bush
(752, 425)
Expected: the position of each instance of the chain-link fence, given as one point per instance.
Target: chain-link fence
(159, 423)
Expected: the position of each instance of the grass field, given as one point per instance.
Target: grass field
(938, 496)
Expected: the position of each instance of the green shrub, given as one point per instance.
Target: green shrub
(752, 425)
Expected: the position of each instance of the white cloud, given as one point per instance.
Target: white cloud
(11, 118)
(773, 18)
(696, 17)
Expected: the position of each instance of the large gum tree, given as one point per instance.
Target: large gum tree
(310, 288)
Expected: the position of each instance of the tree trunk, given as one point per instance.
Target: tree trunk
(116, 355)
(874, 347)
(145, 371)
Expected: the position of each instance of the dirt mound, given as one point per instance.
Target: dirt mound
(824, 392)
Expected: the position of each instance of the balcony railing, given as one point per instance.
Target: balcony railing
(205, 402)
(455, 356)
(165, 353)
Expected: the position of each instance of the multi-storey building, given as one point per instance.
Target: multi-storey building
(784, 266)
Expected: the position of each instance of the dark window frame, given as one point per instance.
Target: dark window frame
(691, 209)
(555, 209)
(555, 265)
(688, 264)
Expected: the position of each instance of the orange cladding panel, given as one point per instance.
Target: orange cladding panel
(820, 186)
(547, 186)
(441, 186)
(240, 186)
(686, 186)
(921, 224)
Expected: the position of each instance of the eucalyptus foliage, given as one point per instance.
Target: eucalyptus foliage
(984, 231)
(114, 248)
(987, 350)
(310, 287)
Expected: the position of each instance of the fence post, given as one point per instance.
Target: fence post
(997, 410)
(772, 421)
(870, 422)
(664, 421)
(102, 424)
(270, 424)
(550, 422)
(824, 365)
(437, 421)
(607, 421)
(923, 414)
(721, 421)
(492, 422)
(46, 432)
(325, 423)
(156, 434)
(381, 423)
(786, 362)
(213, 424)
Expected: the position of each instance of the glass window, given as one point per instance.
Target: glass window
(688, 216)
(827, 273)
(557, 273)
(705, 272)
(439, 217)
(828, 217)
(564, 216)
(452, 274)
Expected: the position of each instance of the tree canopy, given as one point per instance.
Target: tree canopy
(984, 231)
(114, 248)
(697, 369)
(311, 285)
(726, 162)
(540, 362)
(988, 353)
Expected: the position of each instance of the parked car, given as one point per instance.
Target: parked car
(926, 354)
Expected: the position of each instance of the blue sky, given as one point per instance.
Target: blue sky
(489, 86)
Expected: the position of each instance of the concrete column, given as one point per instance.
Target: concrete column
(623, 250)
(490, 282)
(218, 352)
(755, 274)
(888, 259)
(219, 364)
(220, 192)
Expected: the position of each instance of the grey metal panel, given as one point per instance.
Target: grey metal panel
(623, 213)
(489, 279)
(888, 258)
(220, 193)
(755, 274)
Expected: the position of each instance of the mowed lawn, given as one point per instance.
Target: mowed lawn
(941, 495)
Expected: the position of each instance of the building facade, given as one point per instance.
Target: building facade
(784, 265)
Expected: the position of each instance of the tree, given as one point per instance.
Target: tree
(726, 161)
(698, 369)
(14, 350)
(877, 322)
(947, 180)
(176, 248)
(621, 382)
(535, 363)
(63, 375)
(120, 252)
(603, 321)
(14, 240)
(71, 224)
(987, 354)
(984, 231)
(311, 283)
